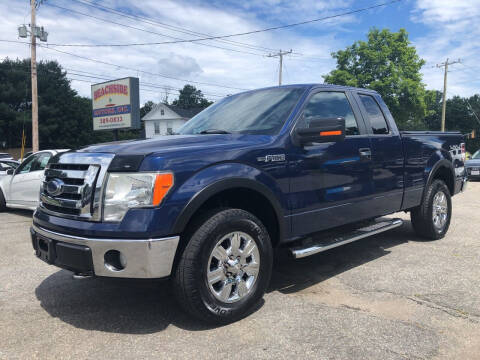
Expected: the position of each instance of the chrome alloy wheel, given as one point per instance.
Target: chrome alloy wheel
(233, 267)
(440, 210)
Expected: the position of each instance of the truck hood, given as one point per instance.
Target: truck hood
(179, 143)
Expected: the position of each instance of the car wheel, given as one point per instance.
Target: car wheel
(431, 219)
(3, 205)
(225, 267)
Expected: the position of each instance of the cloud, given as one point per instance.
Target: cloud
(452, 32)
(446, 33)
(203, 62)
(178, 65)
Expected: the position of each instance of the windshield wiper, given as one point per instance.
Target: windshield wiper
(214, 131)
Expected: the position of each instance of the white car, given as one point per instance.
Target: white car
(20, 188)
(7, 164)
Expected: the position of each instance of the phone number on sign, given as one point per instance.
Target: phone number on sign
(110, 120)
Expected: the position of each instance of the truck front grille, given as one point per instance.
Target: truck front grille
(72, 185)
(67, 188)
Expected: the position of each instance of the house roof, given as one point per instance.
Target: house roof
(154, 114)
(186, 113)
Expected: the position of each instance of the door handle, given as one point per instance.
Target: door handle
(365, 154)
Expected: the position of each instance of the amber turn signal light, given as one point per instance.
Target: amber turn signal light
(331, 133)
(163, 184)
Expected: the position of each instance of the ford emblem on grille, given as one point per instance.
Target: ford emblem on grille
(55, 187)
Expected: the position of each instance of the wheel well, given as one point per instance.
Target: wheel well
(241, 198)
(445, 174)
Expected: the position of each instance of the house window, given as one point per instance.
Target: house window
(156, 125)
(162, 112)
(169, 127)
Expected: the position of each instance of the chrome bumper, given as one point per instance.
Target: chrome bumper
(145, 258)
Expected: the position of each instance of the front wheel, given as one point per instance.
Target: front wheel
(431, 219)
(225, 267)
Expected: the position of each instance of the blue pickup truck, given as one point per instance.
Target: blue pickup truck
(305, 168)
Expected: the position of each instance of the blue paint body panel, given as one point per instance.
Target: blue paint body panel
(316, 187)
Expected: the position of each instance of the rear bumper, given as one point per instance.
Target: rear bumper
(140, 258)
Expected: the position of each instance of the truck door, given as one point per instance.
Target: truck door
(387, 154)
(330, 182)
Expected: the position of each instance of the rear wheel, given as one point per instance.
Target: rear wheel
(431, 219)
(3, 205)
(225, 267)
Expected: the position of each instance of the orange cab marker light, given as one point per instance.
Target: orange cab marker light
(163, 183)
(331, 133)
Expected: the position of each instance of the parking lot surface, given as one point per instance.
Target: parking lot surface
(392, 296)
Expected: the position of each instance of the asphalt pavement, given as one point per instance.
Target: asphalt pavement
(391, 296)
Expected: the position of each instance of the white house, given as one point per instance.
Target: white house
(166, 119)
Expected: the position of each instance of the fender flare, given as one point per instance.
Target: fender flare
(218, 186)
(439, 164)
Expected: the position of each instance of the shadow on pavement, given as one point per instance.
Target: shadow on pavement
(146, 306)
(20, 212)
(290, 275)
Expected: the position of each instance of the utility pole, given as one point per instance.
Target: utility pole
(35, 32)
(33, 59)
(280, 56)
(444, 105)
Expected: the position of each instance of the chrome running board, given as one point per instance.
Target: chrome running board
(330, 242)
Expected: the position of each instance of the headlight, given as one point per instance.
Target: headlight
(132, 190)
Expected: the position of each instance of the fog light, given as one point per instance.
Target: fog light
(115, 260)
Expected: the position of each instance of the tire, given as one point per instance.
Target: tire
(3, 205)
(201, 259)
(422, 217)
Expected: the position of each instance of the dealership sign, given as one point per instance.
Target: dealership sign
(116, 104)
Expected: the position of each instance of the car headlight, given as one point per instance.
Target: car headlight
(132, 190)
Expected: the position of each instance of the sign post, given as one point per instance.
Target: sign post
(116, 105)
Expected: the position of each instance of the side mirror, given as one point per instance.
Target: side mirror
(10, 171)
(322, 130)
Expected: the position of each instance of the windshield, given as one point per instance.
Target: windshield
(476, 155)
(258, 112)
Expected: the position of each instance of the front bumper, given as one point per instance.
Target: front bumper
(141, 258)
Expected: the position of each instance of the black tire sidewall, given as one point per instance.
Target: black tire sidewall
(436, 187)
(207, 236)
(3, 204)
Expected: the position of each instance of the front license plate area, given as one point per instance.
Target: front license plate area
(45, 249)
(475, 172)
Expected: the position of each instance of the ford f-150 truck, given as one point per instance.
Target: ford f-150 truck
(300, 167)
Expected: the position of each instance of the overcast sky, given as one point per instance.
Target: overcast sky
(438, 28)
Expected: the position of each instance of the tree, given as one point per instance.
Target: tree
(190, 97)
(65, 118)
(433, 104)
(389, 64)
(146, 108)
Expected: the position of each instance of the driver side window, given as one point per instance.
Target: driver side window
(330, 104)
(26, 166)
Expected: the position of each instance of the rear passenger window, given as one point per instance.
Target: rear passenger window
(328, 104)
(375, 115)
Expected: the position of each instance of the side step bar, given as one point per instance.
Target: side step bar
(330, 242)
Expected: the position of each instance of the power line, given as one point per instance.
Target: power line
(473, 111)
(147, 31)
(167, 26)
(126, 67)
(87, 74)
(234, 35)
(143, 83)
